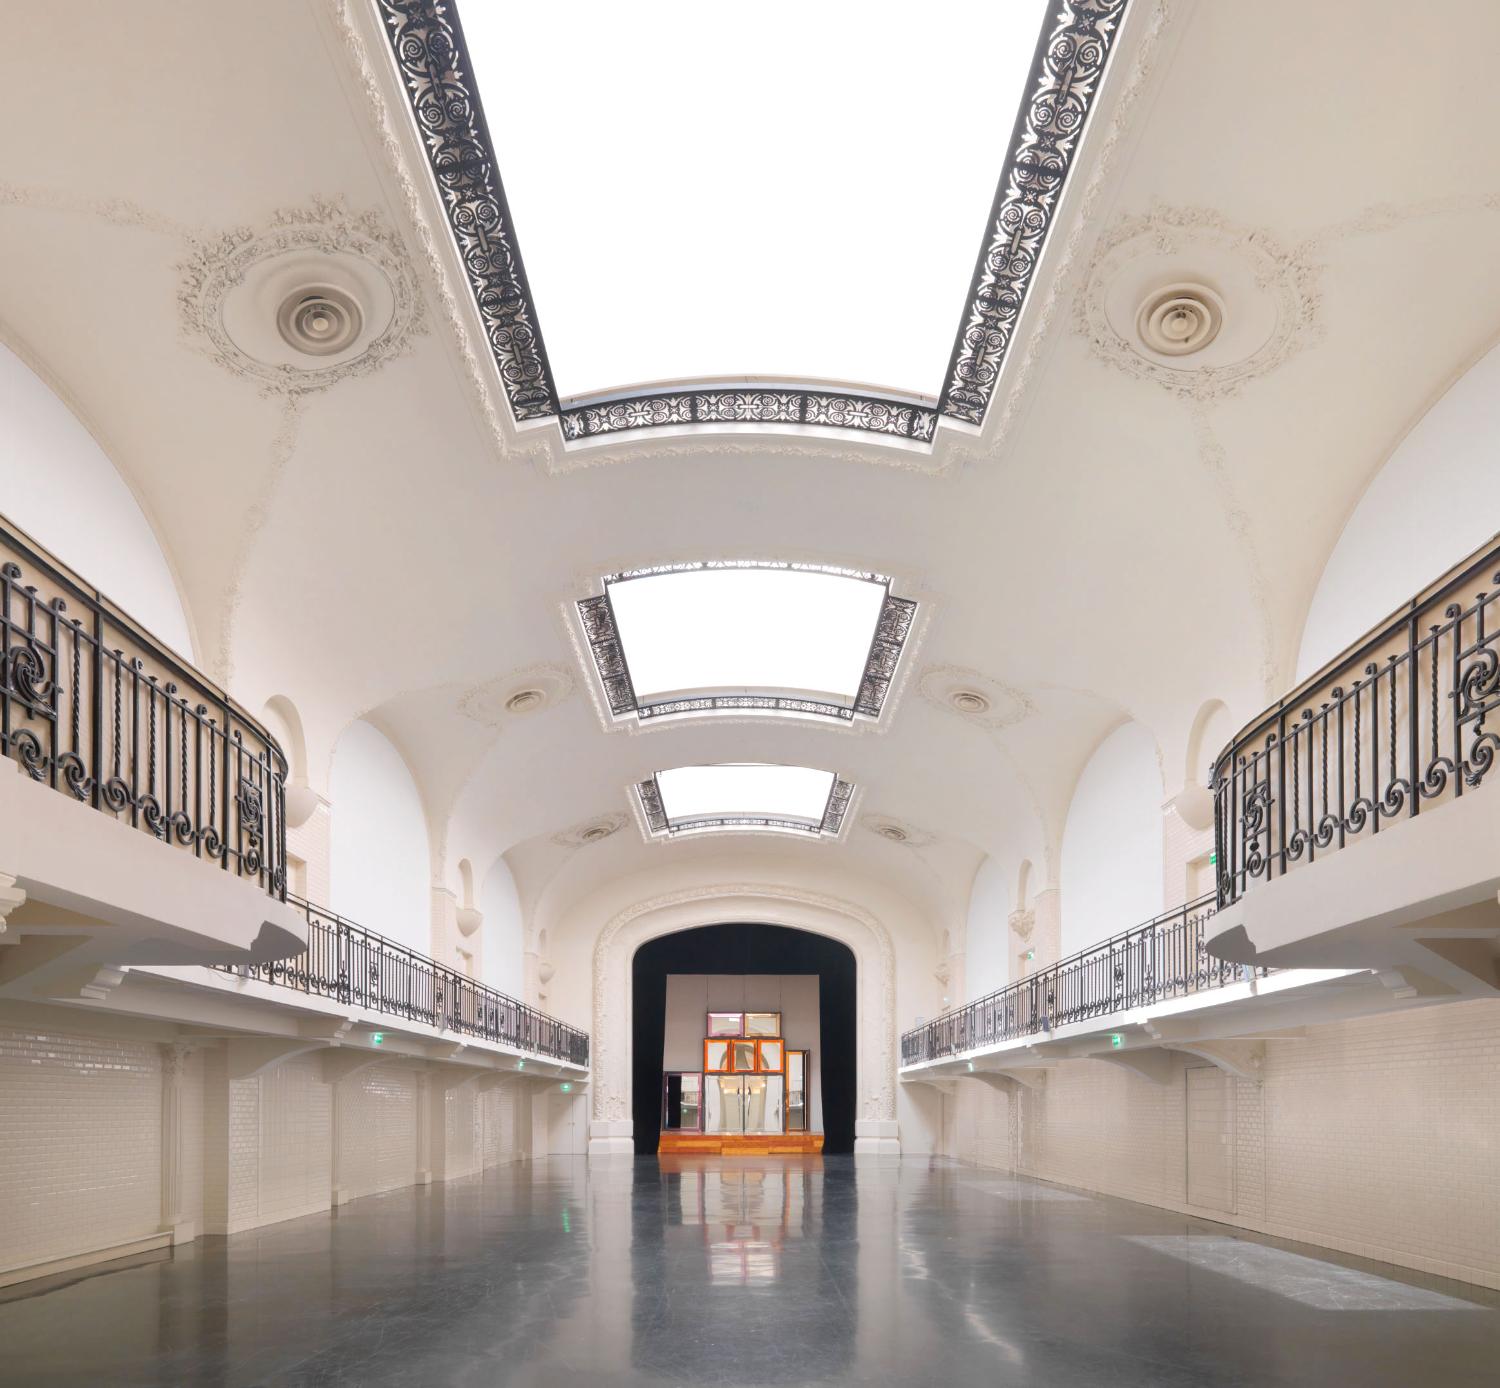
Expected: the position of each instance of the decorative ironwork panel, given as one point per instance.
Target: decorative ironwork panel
(427, 41)
(1164, 958)
(1063, 84)
(352, 965)
(95, 707)
(650, 793)
(892, 628)
(1397, 724)
(914, 418)
(838, 802)
(603, 636)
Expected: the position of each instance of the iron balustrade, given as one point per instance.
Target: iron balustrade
(94, 706)
(1395, 724)
(352, 965)
(1163, 958)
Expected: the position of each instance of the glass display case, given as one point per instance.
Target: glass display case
(682, 1102)
(744, 1086)
(797, 1107)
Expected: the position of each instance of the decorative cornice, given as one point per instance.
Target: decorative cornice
(1065, 79)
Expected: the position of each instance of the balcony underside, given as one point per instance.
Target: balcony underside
(100, 895)
(1228, 1026)
(1416, 902)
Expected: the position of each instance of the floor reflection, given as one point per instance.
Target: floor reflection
(749, 1271)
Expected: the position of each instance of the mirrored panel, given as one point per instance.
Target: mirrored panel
(762, 1024)
(770, 1055)
(726, 1023)
(796, 1091)
(681, 1102)
(713, 1105)
(716, 1055)
(744, 1055)
(726, 1108)
(764, 1098)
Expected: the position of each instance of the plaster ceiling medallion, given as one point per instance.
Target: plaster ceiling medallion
(1200, 306)
(896, 831)
(520, 694)
(590, 831)
(974, 697)
(318, 295)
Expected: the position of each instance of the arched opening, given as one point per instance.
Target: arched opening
(741, 962)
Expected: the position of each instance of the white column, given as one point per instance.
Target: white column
(174, 1055)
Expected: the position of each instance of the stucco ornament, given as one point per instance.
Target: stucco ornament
(590, 831)
(1257, 300)
(520, 694)
(875, 967)
(1022, 924)
(974, 696)
(235, 285)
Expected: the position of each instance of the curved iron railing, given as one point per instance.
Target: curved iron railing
(350, 964)
(1395, 724)
(1162, 958)
(92, 705)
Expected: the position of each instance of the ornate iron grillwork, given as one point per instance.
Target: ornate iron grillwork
(95, 707)
(1164, 958)
(661, 826)
(1064, 81)
(913, 417)
(601, 631)
(1396, 724)
(352, 965)
(428, 44)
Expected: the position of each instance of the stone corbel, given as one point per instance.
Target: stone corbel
(1151, 1063)
(339, 1062)
(1013, 1080)
(1245, 1060)
(11, 896)
(249, 1056)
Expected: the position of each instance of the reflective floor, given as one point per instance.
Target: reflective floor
(748, 1272)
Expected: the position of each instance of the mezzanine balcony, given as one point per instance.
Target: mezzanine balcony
(141, 809)
(1354, 824)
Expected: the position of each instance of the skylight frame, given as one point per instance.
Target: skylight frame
(435, 71)
(893, 627)
(657, 825)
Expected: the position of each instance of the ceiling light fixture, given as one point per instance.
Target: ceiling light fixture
(320, 320)
(1180, 319)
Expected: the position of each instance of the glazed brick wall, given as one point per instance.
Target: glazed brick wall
(378, 1129)
(1378, 1137)
(296, 1132)
(80, 1145)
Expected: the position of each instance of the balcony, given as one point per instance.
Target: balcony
(1352, 825)
(141, 809)
(364, 972)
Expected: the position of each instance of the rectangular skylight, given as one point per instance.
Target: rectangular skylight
(792, 190)
(793, 630)
(744, 788)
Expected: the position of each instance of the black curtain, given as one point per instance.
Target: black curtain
(746, 949)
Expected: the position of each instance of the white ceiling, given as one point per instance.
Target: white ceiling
(1116, 543)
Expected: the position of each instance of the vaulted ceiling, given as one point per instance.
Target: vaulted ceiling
(1128, 535)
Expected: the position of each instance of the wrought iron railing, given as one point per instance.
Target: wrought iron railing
(1164, 958)
(94, 706)
(1394, 725)
(350, 964)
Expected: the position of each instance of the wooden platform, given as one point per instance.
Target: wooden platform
(741, 1144)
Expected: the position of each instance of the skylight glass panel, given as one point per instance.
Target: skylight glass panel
(776, 629)
(743, 797)
(745, 788)
(790, 191)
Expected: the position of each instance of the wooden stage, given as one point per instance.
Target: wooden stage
(741, 1144)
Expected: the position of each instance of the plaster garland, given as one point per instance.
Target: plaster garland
(866, 935)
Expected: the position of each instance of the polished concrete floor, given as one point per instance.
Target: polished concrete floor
(748, 1272)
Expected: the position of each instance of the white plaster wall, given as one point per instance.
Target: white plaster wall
(378, 860)
(1111, 876)
(1375, 1136)
(987, 935)
(690, 997)
(57, 484)
(1436, 498)
(501, 958)
(80, 1144)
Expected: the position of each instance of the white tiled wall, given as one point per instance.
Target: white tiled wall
(80, 1144)
(81, 1140)
(1379, 1137)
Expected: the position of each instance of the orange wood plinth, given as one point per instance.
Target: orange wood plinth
(741, 1144)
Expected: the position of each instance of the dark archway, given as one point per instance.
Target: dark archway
(745, 949)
